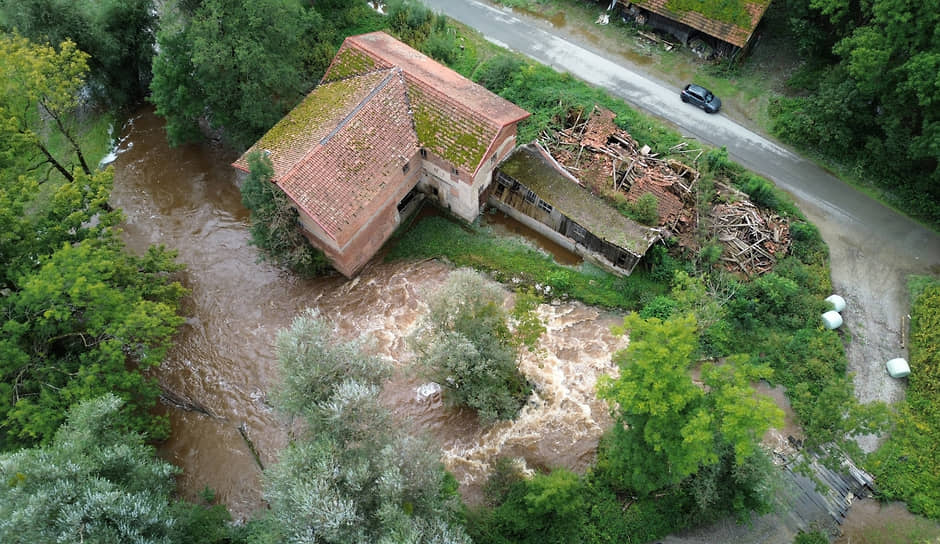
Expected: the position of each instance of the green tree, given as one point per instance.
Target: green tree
(90, 320)
(80, 316)
(465, 344)
(275, 224)
(39, 90)
(117, 34)
(873, 93)
(239, 64)
(668, 427)
(350, 476)
(95, 483)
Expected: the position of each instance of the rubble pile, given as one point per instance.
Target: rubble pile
(608, 160)
(753, 238)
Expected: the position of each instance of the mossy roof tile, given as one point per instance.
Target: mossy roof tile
(729, 32)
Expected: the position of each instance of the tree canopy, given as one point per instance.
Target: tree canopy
(96, 483)
(117, 34)
(465, 344)
(350, 476)
(875, 95)
(40, 87)
(239, 64)
(668, 428)
(81, 316)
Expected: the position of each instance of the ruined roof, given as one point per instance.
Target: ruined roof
(362, 139)
(732, 33)
(529, 166)
(455, 118)
(668, 204)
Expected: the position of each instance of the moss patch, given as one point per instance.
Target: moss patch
(349, 62)
(459, 139)
(726, 11)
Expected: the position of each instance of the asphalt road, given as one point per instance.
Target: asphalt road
(873, 248)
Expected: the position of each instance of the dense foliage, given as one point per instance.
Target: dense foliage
(239, 64)
(871, 98)
(275, 224)
(668, 428)
(351, 475)
(466, 345)
(118, 35)
(95, 483)
(81, 316)
(907, 465)
(40, 90)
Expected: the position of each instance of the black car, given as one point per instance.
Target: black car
(701, 97)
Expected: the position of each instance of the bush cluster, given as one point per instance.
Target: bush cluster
(907, 466)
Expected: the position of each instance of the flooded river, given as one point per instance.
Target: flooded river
(224, 361)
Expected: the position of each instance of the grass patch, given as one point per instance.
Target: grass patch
(513, 262)
(908, 464)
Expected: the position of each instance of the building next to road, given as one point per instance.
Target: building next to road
(729, 25)
(533, 189)
(386, 126)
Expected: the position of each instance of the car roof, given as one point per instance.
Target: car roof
(699, 89)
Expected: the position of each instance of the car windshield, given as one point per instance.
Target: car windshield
(709, 97)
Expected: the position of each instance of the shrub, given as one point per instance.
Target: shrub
(646, 209)
(275, 224)
(465, 344)
(441, 46)
(661, 306)
(496, 73)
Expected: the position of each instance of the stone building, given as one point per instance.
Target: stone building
(386, 126)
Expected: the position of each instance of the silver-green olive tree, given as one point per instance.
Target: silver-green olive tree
(465, 343)
(95, 483)
(351, 475)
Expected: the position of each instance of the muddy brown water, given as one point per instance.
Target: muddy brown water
(224, 362)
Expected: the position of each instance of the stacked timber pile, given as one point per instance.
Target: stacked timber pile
(752, 238)
(608, 160)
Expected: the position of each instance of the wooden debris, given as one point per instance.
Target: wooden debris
(753, 238)
(609, 160)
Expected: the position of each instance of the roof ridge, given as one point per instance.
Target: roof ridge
(381, 85)
(361, 45)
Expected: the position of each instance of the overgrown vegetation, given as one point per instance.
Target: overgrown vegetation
(907, 465)
(868, 96)
(465, 343)
(275, 224)
(351, 475)
(513, 262)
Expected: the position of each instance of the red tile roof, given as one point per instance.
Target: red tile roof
(454, 117)
(379, 102)
(729, 32)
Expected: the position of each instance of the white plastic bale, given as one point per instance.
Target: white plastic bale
(898, 368)
(832, 319)
(837, 302)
